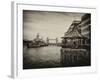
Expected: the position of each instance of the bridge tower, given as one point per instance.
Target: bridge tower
(56, 40)
(47, 40)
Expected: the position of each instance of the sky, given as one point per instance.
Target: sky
(47, 23)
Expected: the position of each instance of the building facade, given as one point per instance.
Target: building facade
(85, 27)
(76, 43)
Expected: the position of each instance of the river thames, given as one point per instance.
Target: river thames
(43, 57)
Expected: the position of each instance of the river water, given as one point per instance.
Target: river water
(43, 57)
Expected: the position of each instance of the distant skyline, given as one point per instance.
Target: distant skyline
(47, 23)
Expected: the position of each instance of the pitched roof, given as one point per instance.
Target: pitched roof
(74, 23)
(73, 31)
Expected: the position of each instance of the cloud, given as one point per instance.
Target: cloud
(48, 24)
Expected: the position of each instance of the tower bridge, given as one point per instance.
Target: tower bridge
(54, 43)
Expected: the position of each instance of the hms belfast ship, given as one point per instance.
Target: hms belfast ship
(36, 42)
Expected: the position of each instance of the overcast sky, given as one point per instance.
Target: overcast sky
(47, 24)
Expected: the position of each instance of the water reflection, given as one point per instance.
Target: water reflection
(41, 57)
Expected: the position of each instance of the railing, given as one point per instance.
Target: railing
(82, 46)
